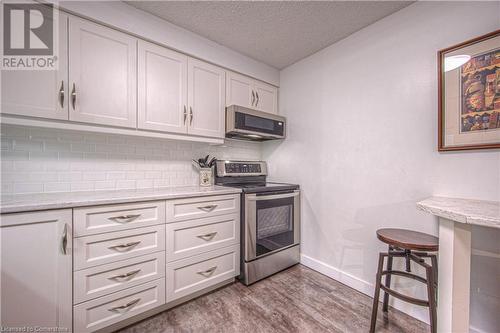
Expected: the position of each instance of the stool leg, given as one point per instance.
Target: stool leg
(434, 264)
(431, 294)
(377, 292)
(385, 307)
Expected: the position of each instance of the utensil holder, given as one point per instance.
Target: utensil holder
(206, 177)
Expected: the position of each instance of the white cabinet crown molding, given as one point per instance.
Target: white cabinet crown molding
(121, 16)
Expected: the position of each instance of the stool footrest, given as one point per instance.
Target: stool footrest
(405, 298)
(405, 274)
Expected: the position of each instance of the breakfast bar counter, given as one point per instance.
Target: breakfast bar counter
(456, 216)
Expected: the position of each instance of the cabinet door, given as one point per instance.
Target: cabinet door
(239, 90)
(41, 93)
(206, 99)
(102, 75)
(162, 87)
(36, 269)
(266, 97)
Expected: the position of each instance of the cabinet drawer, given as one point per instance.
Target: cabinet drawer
(104, 311)
(106, 279)
(192, 208)
(96, 250)
(189, 275)
(99, 219)
(188, 238)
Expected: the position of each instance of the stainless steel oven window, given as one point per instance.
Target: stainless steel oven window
(272, 223)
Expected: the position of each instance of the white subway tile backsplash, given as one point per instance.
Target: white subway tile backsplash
(24, 187)
(144, 183)
(70, 176)
(105, 185)
(15, 155)
(20, 166)
(83, 147)
(50, 160)
(27, 145)
(57, 187)
(82, 186)
(98, 175)
(114, 175)
(125, 184)
(57, 146)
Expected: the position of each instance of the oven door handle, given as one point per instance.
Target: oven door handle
(272, 196)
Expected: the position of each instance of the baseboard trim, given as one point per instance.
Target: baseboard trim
(351, 281)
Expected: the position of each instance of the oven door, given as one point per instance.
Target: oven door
(272, 223)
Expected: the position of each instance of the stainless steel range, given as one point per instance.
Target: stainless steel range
(270, 219)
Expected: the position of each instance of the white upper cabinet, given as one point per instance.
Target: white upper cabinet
(239, 90)
(36, 270)
(162, 87)
(206, 99)
(245, 91)
(41, 93)
(102, 75)
(266, 97)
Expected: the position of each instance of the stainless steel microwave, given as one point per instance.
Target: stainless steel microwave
(247, 124)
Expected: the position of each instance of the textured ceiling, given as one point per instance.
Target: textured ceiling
(277, 33)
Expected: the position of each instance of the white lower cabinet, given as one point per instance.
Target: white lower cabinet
(188, 238)
(193, 274)
(105, 279)
(193, 208)
(113, 246)
(123, 260)
(36, 270)
(104, 311)
(106, 218)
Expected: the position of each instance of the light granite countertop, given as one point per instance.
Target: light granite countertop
(43, 201)
(479, 212)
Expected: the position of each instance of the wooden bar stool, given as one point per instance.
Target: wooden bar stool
(412, 246)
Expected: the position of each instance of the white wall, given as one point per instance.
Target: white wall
(362, 140)
(35, 160)
(143, 24)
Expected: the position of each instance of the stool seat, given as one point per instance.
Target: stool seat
(408, 239)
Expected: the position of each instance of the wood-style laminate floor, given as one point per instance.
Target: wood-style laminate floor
(295, 300)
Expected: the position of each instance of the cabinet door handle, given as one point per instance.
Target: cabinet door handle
(257, 100)
(208, 272)
(253, 97)
(185, 114)
(126, 306)
(124, 276)
(208, 237)
(73, 96)
(190, 115)
(127, 246)
(61, 94)
(208, 208)
(64, 240)
(124, 218)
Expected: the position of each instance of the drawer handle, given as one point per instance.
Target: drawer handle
(124, 276)
(208, 208)
(124, 218)
(126, 306)
(208, 237)
(208, 272)
(127, 246)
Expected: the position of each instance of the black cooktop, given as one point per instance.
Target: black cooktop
(262, 186)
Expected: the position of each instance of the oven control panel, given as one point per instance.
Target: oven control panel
(241, 168)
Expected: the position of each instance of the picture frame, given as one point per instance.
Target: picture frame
(469, 94)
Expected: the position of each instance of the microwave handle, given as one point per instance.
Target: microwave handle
(273, 196)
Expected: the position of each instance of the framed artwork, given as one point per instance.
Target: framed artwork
(469, 94)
